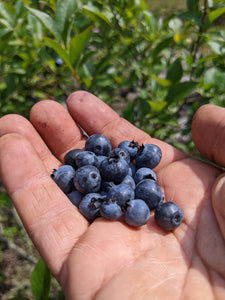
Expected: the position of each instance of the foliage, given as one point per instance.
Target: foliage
(156, 71)
(114, 49)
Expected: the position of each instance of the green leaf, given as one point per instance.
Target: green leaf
(7, 14)
(180, 91)
(215, 77)
(40, 281)
(192, 5)
(47, 21)
(35, 27)
(157, 106)
(93, 13)
(165, 43)
(77, 44)
(61, 51)
(194, 16)
(63, 11)
(175, 71)
(216, 14)
(216, 47)
(162, 81)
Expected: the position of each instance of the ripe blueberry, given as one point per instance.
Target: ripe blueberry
(148, 156)
(90, 206)
(69, 158)
(87, 179)
(130, 146)
(63, 177)
(121, 193)
(114, 169)
(75, 197)
(168, 215)
(99, 144)
(150, 192)
(122, 153)
(137, 213)
(86, 158)
(144, 173)
(110, 210)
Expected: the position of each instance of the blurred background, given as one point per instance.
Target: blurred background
(154, 62)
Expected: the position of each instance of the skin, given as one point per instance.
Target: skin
(110, 260)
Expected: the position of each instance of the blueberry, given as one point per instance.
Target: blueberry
(75, 197)
(150, 192)
(110, 210)
(59, 62)
(87, 179)
(130, 181)
(144, 173)
(63, 177)
(114, 169)
(99, 144)
(148, 156)
(121, 193)
(90, 206)
(132, 169)
(137, 213)
(106, 185)
(100, 158)
(69, 158)
(168, 215)
(86, 158)
(122, 153)
(131, 147)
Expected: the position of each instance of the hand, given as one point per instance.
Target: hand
(110, 260)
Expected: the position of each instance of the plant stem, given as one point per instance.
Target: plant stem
(199, 36)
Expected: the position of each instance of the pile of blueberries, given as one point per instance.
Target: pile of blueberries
(116, 183)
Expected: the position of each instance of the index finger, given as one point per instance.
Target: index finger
(97, 117)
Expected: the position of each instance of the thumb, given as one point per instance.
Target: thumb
(218, 202)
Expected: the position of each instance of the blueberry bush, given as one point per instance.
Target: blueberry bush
(156, 69)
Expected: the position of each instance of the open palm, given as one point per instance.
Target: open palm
(110, 260)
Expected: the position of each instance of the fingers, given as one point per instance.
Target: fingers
(13, 123)
(52, 222)
(56, 127)
(96, 117)
(208, 132)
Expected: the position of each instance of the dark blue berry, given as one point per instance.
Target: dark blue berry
(144, 173)
(114, 169)
(168, 215)
(131, 147)
(69, 158)
(121, 193)
(63, 177)
(137, 213)
(148, 156)
(150, 191)
(132, 169)
(106, 185)
(86, 158)
(130, 181)
(75, 197)
(90, 206)
(87, 179)
(122, 153)
(110, 210)
(59, 62)
(99, 144)
(100, 158)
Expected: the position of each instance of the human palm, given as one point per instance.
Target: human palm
(111, 260)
